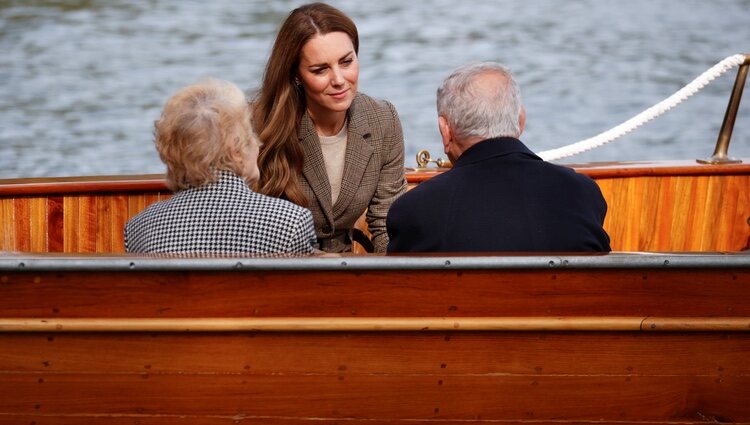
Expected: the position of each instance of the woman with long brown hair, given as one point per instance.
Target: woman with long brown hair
(326, 146)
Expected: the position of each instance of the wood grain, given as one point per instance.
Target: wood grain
(668, 207)
(239, 419)
(714, 354)
(382, 397)
(88, 221)
(71, 224)
(119, 216)
(7, 224)
(382, 293)
(22, 224)
(104, 219)
(676, 214)
(38, 224)
(55, 224)
(394, 377)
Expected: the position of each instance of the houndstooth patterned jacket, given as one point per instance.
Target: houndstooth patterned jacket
(221, 217)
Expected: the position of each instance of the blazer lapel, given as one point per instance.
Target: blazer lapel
(358, 154)
(314, 168)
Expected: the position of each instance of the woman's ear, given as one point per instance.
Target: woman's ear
(235, 151)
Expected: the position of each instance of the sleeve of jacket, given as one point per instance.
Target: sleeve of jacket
(303, 234)
(391, 183)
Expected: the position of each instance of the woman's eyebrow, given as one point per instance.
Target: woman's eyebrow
(324, 64)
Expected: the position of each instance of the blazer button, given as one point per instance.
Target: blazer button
(326, 229)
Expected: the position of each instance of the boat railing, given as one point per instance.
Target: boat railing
(721, 152)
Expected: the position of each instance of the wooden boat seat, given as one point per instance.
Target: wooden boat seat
(362, 340)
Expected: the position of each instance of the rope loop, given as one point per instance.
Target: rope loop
(647, 115)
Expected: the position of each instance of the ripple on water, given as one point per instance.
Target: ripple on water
(81, 82)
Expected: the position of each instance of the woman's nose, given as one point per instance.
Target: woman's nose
(337, 77)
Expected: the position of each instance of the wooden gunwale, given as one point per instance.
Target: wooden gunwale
(604, 170)
(83, 184)
(155, 182)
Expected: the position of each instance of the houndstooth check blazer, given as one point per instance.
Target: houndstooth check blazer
(221, 217)
(373, 173)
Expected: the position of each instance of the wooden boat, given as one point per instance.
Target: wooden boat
(656, 332)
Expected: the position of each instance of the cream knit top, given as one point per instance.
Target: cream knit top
(334, 152)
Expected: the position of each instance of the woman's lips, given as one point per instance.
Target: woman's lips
(339, 95)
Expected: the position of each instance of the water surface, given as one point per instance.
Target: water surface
(81, 82)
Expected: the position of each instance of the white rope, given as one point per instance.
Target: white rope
(647, 115)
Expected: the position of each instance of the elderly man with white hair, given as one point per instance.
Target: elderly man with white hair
(499, 196)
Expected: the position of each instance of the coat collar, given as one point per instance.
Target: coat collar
(494, 147)
(358, 153)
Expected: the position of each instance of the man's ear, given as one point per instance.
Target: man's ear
(522, 120)
(445, 133)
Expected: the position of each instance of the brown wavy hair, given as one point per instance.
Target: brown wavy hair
(280, 104)
(199, 128)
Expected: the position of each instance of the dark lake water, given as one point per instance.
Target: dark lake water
(81, 82)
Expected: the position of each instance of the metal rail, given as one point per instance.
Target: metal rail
(25, 262)
(721, 152)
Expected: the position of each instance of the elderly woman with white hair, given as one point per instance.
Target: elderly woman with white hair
(205, 138)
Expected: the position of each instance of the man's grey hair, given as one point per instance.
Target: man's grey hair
(471, 110)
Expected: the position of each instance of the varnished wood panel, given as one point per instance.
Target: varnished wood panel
(677, 209)
(693, 213)
(87, 222)
(71, 224)
(377, 293)
(7, 224)
(402, 353)
(376, 377)
(55, 224)
(38, 224)
(119, 216)
(104, 222)
(136, 204)
(626, 398)
(22, 224)
(238, 419)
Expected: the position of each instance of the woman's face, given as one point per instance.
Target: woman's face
(329, 71)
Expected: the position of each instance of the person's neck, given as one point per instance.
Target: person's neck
(328, 124)
(464, 144)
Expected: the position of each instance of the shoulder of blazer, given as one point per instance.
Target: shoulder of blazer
(370, 115)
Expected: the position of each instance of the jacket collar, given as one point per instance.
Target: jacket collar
(358, 152)
(492, 148)
(224, 178)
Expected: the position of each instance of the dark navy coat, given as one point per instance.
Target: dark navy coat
(500, 196)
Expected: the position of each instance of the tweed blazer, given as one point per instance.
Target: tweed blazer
(373, 174)
(498, 197)
(221, 217)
